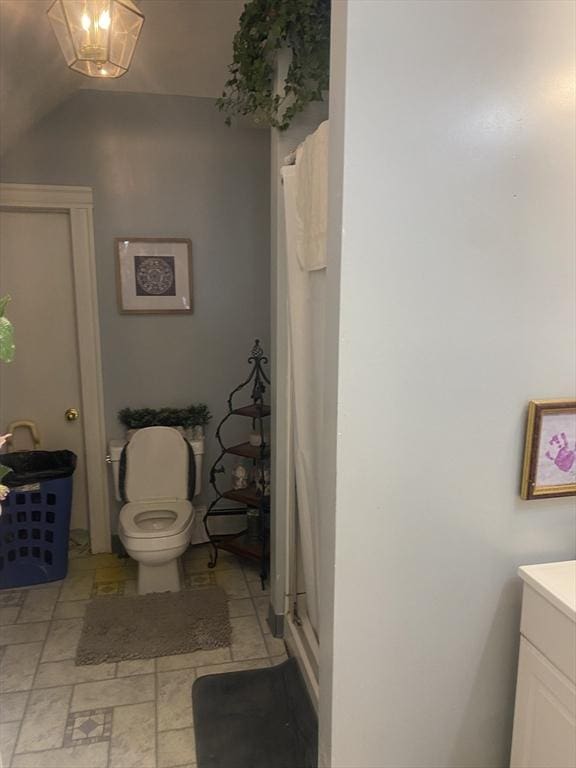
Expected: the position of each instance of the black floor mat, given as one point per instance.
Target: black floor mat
(261, 718)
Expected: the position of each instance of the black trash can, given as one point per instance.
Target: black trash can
(35, 518)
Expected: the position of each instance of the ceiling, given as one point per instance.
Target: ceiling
(184, 49)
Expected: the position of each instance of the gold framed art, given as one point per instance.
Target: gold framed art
(154, 275)
(549, 468)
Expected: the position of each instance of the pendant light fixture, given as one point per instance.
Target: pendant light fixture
(97, 37)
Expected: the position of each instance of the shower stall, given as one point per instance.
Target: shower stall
(300, 302)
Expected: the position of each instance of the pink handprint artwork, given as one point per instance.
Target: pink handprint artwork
(550, 450)
(560, 452)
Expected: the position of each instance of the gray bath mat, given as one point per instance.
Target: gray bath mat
(261, 718)
(145, 626)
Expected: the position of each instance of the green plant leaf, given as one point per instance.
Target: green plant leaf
(266, 26)
(138, 418)
(6, 333)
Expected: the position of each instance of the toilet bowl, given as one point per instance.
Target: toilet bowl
(156, 478)
(156, 533)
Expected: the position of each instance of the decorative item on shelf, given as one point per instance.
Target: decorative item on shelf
(255, 439)
(250, 490)
(239, 477)
(254, 478)
(265, 482)
(154, 275)
(260, 479)
(549, 467)
(97, 37)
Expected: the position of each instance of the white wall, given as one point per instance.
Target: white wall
(452, 247)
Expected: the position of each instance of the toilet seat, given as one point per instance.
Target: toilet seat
(155, 519)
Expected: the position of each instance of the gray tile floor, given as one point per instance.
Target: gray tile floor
(131, 714)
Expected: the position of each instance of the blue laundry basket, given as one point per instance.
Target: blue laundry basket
(35, 518)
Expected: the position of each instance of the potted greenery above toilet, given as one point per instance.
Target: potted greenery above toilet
(190, 420)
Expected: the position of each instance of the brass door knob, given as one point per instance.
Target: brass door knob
(71, 414)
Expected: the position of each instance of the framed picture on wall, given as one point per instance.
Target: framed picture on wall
(154, 274)
(550, 450)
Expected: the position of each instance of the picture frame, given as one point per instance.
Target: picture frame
(154, 275)
(549, 468)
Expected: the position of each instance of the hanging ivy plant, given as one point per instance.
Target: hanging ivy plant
(266, 26)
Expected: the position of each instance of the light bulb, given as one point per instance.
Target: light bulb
(87, 34)
(104, 20)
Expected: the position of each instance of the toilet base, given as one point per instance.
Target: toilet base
(164, 577)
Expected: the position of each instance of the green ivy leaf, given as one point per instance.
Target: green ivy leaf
(6, 333)
(266, 26)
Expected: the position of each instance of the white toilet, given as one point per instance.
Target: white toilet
(156, 474)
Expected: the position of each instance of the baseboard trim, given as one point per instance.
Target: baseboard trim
(298, 647)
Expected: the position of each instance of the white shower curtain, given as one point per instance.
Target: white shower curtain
(306, 310)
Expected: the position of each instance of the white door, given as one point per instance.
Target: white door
(43, 381)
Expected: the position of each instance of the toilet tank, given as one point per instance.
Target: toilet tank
(115, 448)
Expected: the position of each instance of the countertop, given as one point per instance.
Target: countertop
(554, 581)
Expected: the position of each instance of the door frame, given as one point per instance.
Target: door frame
(77, 203)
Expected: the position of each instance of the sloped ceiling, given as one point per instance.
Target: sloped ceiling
(184, 49)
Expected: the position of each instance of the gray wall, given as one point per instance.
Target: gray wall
(160, 166)
(453, 270)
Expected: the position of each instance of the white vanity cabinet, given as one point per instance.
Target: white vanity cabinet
(545, 714)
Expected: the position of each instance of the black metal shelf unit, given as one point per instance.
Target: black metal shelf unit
(247, 543)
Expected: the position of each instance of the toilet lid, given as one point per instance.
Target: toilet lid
(158, 463)
(154, 519)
